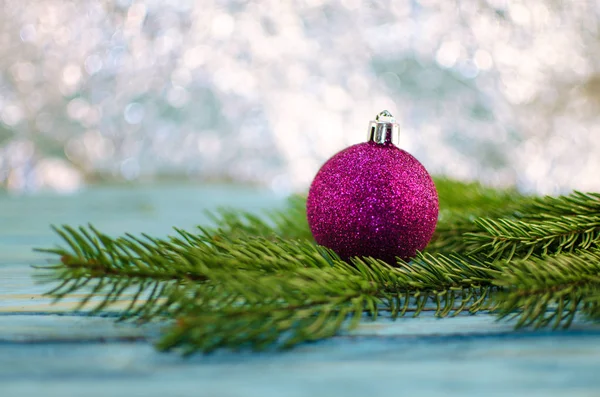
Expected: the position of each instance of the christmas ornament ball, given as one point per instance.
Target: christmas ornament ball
(373, 199)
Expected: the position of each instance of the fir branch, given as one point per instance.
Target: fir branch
(265, 310)
(240, 283)
(550, 291)
(95, 263)
(282, 310)
(450, 233)
(473, 197)
(508, 238)
(524, 226)
(576, 203)
(261, 282)
(461, 204)
(288, 223)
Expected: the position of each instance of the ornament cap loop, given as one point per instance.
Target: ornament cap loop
(384, 129)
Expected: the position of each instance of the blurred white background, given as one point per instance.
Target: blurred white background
(507, 92)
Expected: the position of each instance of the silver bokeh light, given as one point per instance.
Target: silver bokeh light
(263, 92)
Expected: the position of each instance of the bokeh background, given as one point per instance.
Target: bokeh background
(263, 92)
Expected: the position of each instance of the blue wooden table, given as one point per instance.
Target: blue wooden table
(45, 350)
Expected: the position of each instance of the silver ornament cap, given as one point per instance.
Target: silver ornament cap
(384, 129)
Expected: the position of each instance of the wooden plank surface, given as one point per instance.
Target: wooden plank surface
(46, 350)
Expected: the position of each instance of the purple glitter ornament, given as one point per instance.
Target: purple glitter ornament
(373, 199)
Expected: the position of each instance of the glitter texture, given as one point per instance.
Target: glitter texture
(373, 200)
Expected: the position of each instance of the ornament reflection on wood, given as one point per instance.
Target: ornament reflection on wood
(373, 199)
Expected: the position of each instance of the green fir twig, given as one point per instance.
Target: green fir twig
(260, 282)
(550, 290)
